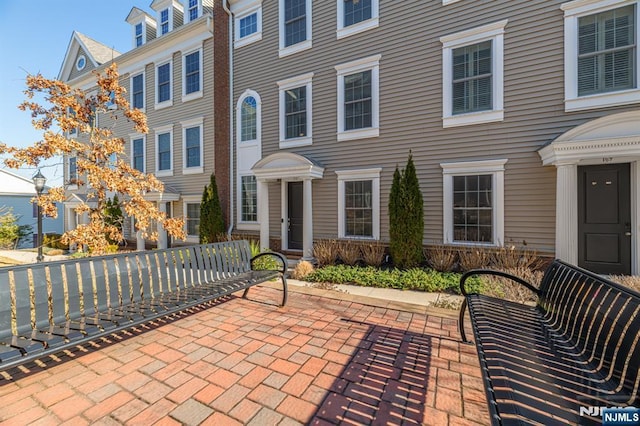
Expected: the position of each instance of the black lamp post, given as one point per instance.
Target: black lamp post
(38, 181)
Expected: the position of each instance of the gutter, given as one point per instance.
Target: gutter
(231, 163)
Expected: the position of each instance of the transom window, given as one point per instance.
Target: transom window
(356, 11)
(295, 22)
(357, 101)
(249, 195)
(606, 51)
(248, 119)
(472, 78)
(164, 152)
(192, 221)
(164, 82)
(164, 21)
(358, 208)
(193, 10)
(137, 157)
(192, 72)
(249, 25)
(137, 91)
(472, 208)
(138, 36)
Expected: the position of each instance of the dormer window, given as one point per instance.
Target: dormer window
(138, 35)
(164, 21)
(193, 10)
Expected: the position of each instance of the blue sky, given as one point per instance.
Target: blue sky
(34, 36)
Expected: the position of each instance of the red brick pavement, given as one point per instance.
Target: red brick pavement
(317, 361)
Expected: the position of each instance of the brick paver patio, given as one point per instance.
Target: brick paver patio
(318, 361)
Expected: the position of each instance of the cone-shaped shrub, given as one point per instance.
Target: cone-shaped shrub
(211, 220)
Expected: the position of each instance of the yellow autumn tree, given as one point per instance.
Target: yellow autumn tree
(102, 166)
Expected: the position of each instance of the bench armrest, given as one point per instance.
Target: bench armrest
(279, 256)
(473, 272)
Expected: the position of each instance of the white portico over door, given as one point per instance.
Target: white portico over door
(597, 189)
(285, 169)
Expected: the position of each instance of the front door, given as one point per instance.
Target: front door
(604, 219)
(295, 215)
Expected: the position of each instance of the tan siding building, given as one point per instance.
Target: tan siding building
(518, 137)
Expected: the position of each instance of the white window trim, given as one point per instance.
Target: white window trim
(144, 88)
(75, 186)
(290, 83)
(495, 33)
(372, 174)
(298, 47)
(190, 199)
(493, 167)
(242, 97)
(158, 131)
(369, 63)
(188, 124)
(135, 136)
(243, 224)
(167, 103)
(187, 17)
(199, 93)
(573, 10)
(373, 22)
(242, 10)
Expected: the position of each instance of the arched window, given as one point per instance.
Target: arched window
(248, 119)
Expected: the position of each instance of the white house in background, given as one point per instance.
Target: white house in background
(16, 193)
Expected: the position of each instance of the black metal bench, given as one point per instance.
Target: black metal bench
(562, 360)
(49, 307)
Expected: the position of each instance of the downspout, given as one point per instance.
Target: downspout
(231, 163)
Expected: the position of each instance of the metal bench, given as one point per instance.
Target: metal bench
(49, 307)
(561, 361)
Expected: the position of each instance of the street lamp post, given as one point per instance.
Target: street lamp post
(39, 181)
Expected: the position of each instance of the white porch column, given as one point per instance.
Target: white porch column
(162, 234)
(307, 221)
(263, 212)
(567, 212)
(140, 244)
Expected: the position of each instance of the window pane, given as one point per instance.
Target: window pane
(192, 72)
(358, 208)
(295, 22)
(138, 154)
(164, 21)
(137, 90)
(607, 51)
(193, 219)
(295, 112)
(472, 78)
(472, 208)
(249, 199)
(193, 10)
(73, 171)
(164, 83)
(249, 25)
(138, 35)
(164, 151)
(192, 146)
(356, 11)
(358, 105)
(248, 120)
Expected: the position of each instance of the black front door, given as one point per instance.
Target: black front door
(604, 219)
(295, 215)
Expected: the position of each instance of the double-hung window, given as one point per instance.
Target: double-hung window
(601, 53)
(192, 75)
(72, 173)
(358, 98)
(72, 132)
(139, 37)
(248, 22)
(192, 219)
(193, 10)
(355, 16)
(473, 75)
(137, 91)
(164, 21)
(295, 26)
(138, 153)
(248, 119)
(249, 199)
(295, 111)
(164, 151)
(192, 146)
(163, 85)
(473, 202)
(359, 203)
